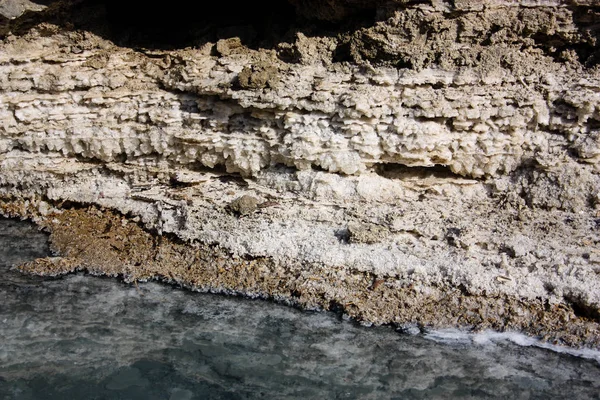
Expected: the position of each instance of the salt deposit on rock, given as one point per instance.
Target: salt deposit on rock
(447, 147)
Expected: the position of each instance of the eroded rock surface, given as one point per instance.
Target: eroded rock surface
(443, 155)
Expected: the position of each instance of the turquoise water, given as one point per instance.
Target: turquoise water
(82, 337)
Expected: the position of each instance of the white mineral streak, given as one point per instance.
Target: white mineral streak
(340, 120)
(111, 126)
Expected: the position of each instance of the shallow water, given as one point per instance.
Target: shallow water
(81, 337)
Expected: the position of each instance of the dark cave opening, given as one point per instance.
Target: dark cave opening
(587, 20)
(275, 24)
(268, 24)
(188, 23)
(184, 23)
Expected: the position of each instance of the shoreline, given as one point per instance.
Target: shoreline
(102, 242)
(111, 329)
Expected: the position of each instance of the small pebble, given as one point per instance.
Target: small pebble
(244, 205)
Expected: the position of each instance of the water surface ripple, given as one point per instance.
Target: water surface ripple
(80, 337)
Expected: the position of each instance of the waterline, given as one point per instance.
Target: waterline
(82, 337)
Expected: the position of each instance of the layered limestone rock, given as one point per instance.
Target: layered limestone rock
(425, 162)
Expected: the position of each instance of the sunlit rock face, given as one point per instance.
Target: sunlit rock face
(442, 152)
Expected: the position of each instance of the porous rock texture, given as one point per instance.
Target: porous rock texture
(429, 163)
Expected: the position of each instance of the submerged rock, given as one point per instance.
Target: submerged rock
(79, 337)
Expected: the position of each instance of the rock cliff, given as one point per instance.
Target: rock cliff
(428, 163)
